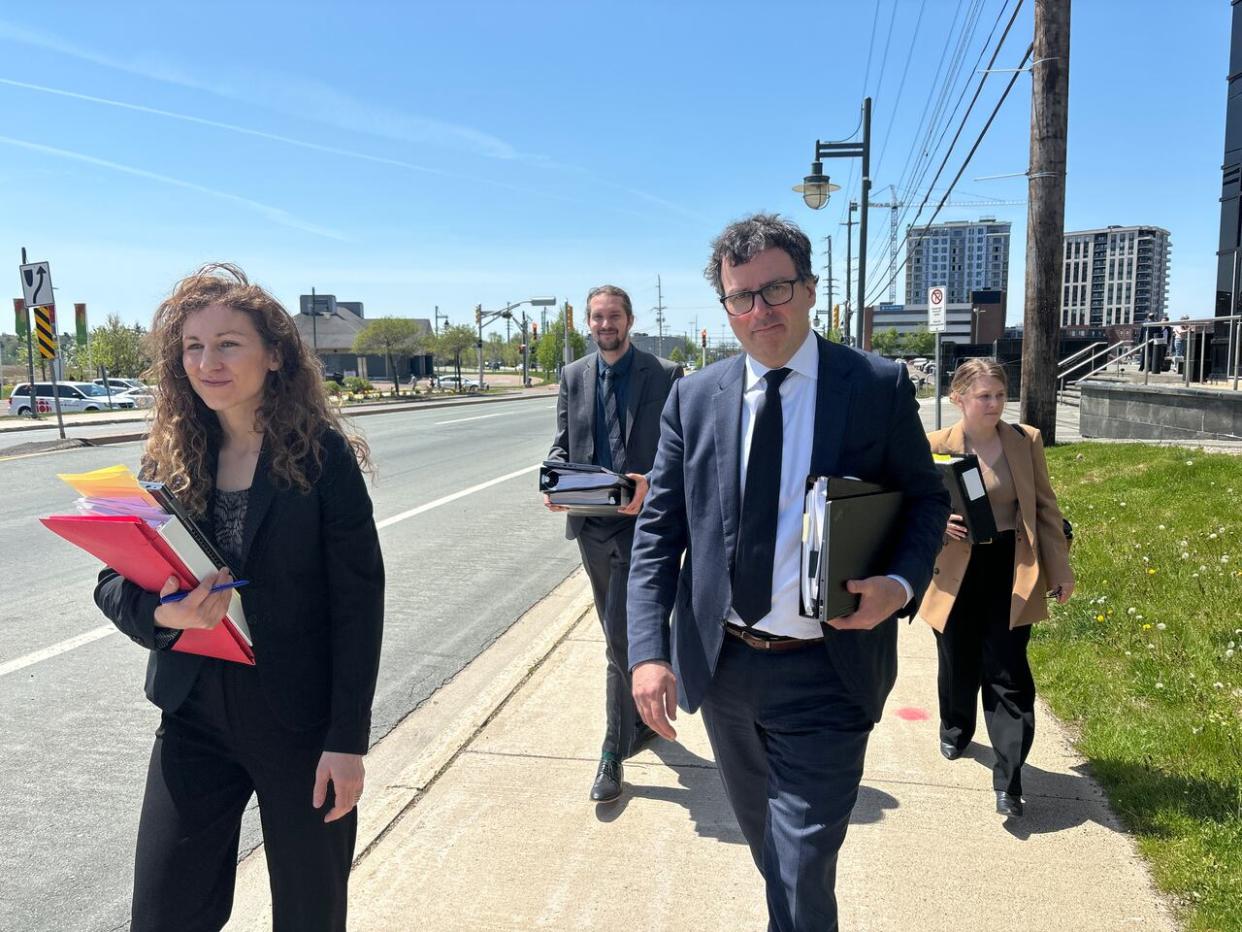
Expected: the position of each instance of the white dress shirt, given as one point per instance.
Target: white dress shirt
(798, 393)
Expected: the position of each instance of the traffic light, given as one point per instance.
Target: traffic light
(534, 332)
(478, 315)
(836, 317)
(522, 348)
(569, 315)
(703, 337)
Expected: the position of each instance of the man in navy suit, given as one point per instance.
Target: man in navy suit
(788, 704)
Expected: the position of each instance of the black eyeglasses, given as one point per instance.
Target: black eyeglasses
(741, 303)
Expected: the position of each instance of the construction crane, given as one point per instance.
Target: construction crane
(894, 205)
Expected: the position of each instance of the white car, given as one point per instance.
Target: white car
(141, 397)
(74, 396)
(121, 385)
(452, 383)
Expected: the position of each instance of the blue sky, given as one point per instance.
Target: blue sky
(410, 155)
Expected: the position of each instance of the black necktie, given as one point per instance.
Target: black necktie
(756, 541)
(616, 444)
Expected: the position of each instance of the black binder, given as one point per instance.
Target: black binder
(585, 489)
(963, 479)
(853, 538)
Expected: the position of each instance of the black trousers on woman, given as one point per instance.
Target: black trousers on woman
(220, 747)
(979, 651)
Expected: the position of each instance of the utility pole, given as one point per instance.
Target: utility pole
(659, 309)
(849, 248)
(831, 280)
(1045, 227)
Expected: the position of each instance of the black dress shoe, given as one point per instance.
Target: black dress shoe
(949, 750)
(607, 785)
(1009, 804)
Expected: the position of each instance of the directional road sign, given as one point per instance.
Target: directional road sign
(37, 285)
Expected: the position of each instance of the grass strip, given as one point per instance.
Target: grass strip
(1145, 662)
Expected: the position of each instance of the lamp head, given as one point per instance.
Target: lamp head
(816, 188)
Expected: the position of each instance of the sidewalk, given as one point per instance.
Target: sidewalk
(476, 816)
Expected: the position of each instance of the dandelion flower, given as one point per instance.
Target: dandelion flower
(1122, 504)
(1146, 627)
(1224, 558)
(1228, 655)
(1211, 537)
(1099, 617)
(1231, 645)
(1160, 626)
(1151, 646)
(1190, 462)
(1130, 610)
(1128, 654)
(1151, 571)
(1185, 555)
(1159, 527)
(1159, 686)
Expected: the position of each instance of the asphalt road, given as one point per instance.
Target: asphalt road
(463, 563)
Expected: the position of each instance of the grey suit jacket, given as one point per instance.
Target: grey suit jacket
(651, 379)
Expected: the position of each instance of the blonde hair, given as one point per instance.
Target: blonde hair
(972, 370)
(294, 411)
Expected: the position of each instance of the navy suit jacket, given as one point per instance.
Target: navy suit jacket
(866, 425)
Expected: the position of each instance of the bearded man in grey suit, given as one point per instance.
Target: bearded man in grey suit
(608, 414)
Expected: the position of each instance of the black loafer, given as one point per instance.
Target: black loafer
(1009, 804)
(607, 785)
(949, 751)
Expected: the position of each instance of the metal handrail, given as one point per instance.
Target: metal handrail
(1086, 362)
(1072, 356)
(1111, 361)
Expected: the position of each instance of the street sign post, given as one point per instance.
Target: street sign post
(37, 294)
(936, 321)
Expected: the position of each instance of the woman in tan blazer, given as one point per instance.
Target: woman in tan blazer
(983, 598)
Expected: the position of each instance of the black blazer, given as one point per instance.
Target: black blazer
(651, 379)
(315, 603)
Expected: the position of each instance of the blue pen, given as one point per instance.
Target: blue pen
(220, 587)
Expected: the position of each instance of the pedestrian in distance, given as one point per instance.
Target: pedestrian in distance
(788, 704)
(608, 414)
(984, 597)
(243, 434)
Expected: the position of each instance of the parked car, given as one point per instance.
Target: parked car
(74, 396)
(141, 397)
(450, 383)
(120, 385)
(920, 363)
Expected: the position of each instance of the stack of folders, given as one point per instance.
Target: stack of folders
(140, 530)
(964, 481)
(848, 530)
(585, 489)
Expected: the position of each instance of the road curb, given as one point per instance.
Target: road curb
(379, 409)
(406, 762)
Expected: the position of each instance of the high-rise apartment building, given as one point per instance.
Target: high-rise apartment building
(961, 255)
(1115, 277)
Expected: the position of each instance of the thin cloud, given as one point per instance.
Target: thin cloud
(274, 214)
(306, 99)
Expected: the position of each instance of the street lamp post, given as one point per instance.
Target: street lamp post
(816, 189)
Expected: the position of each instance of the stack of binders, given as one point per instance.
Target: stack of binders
(584, 489)
(848, 531)
(964, 481)
(141, 531)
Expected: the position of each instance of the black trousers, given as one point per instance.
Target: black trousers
(790, 743)
(221, 746)
(978, 650)
(605, 547)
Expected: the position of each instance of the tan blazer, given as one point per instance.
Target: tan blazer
(1040, 551)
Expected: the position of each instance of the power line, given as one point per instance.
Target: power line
(888, 132)
(969, 155)
(961, 125)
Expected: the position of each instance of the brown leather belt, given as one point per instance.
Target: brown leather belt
(772, 642)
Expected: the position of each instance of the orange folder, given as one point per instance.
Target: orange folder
(135, 550)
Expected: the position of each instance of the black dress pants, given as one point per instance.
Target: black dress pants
(219, 747)
(978, 650)
(605, 547)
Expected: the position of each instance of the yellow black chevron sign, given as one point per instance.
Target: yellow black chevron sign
(45, 334)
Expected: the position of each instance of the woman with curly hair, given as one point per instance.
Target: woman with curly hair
(243, 434)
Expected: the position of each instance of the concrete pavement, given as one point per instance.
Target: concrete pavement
(476, 816)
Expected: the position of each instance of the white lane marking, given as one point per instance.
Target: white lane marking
(456, 495)
(95, 634)
(459, 420)
(11, 666)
